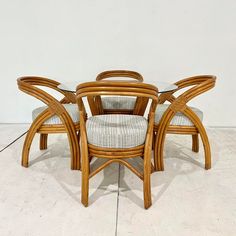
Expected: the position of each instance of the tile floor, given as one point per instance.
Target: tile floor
(44, 199)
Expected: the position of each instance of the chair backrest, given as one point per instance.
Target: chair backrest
(119, 73)
(28, 84)
(94, 90)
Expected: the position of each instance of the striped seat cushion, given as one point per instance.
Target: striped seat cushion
(179, 118)
(72, 109)
(120, 102)
(116, 131)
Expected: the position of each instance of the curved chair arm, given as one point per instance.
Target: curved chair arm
(179, 104)
(28, 85)
(187, 82)
(41, 81)
(120, 73)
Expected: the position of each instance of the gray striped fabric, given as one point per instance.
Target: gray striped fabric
(118, 102)
(116, 131)
(72, 109)
(179, 118)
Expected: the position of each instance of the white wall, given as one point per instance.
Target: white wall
(73, 40)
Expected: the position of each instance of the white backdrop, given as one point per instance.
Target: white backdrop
(75, 40)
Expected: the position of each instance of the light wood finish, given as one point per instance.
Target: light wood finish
(199, 85)
(92, 90)
(28, 84)
(133, 75)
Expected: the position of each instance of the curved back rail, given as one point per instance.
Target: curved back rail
(93, 91)
(133, 75)
(119, 73)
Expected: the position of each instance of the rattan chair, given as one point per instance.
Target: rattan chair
(179, 118)
(56, 117)
(118, 104)
(116, 137)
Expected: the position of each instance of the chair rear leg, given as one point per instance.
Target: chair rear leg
(195, 143)
(43, 143)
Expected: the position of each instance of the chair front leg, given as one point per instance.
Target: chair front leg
(85, 177)
(197, 122)
(207, 148)
(27, 144)
(30, 135)
(73, 140)
(147, 180)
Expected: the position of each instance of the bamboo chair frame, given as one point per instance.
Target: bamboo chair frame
(92, 90)
(200, 84)
(28, 85)
(133, 75)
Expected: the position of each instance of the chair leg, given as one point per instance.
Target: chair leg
(205, 141)
(195, 143)
(146, 180)
(85, 178)
(75, 150)
(78, 159)
(43, 143)
(158, 151)
(154, 153)
(27, 144)
(206, 145)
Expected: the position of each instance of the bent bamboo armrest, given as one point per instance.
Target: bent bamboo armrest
(28, 85)
(49, 83)
(179, 104)
(209, 80)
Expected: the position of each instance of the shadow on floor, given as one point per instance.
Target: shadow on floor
(55, 161)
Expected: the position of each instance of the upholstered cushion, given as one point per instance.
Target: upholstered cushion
(120, 102)
(116, 131)
(179, 118)
(72, 109)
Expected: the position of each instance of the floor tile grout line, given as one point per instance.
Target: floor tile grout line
(220, 127)
(117, 205)
(13, 141)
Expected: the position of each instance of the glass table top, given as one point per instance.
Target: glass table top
(163, 87)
